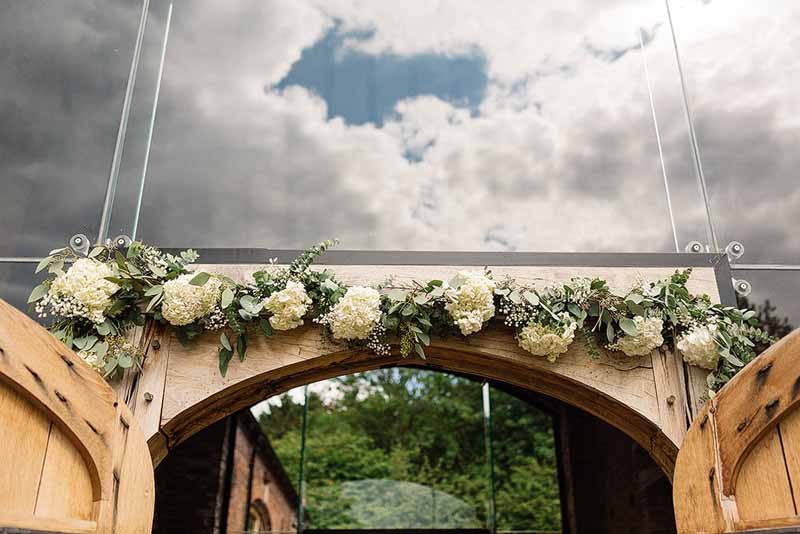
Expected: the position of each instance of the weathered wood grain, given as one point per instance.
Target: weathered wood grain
(789, 428)
(751, 457)
(25, 432)
(696, 487)
(64, 465)
(754, 401)
(197, 395)
(762, 489)
(96, 474)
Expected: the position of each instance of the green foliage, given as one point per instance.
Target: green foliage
(391, 443)
(410, 313)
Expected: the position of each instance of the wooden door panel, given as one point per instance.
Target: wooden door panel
(739, 467)
(71, 458)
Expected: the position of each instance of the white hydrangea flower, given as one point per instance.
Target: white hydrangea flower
(699, 347)
(84, 285)
(185, 303)
(356, 313)
(546, 340)
(472, 303)
(648, 337)
(288, 306)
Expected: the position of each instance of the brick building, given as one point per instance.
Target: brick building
(225, 479)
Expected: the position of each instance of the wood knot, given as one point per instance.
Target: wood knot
(148, 397)
(671, 400)
(60, 397)
(124, 422)
(156, 344)
(771, 405)
(742, 425)
(34, 374)
(761, 375)
(703, 422)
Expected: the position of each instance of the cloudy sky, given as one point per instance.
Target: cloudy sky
(438, 125)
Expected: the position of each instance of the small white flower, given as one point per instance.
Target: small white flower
(83, 290)
(472, 303)
(288, 306)
(185, 303)
(356, 313)
(699, 347)
(648, 337)
(545, 340)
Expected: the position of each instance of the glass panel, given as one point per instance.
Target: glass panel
(741, 64)
(776, 296)
(394, 448)
(526, 472)
(411, 125)
(16, 282)
(63, 72)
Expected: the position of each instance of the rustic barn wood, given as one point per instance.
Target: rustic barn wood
(647, 397)
(738, 466)
(72, 460)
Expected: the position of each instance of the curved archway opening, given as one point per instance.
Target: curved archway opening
(592, 457)
(607, 396)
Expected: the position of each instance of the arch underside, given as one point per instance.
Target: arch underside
(622, 391)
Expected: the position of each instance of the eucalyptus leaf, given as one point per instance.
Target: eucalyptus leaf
(101, 349)
(227, 298)
(154, 290)
(330, 285)
(266, 328)
(200, 279)
(223, 339)
(104, 328)
(610, 332)
(37, 293)
(225, 356)
(531, 297)
(44, 263)
(397, 295)
(628, 326)
(241, 346)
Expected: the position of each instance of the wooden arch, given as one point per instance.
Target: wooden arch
(651, 398)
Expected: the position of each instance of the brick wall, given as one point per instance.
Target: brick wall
(209, 484)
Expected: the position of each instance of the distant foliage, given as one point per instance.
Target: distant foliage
(400, 448)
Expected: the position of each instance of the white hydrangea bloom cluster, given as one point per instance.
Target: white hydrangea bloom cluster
(288, 306)
(185, 303)
(699, 347)
(648, 337)
(472, 303)
(356, 313)
(82, 291)
(545, 340)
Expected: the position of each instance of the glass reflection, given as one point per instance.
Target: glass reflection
(416, 126)
(63, 71)
(740, 60)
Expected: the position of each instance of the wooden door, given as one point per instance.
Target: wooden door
(738, 469)
(71, 458)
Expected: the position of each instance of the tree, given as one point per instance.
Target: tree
(404, 448)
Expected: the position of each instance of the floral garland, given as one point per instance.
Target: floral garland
(101, 296)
